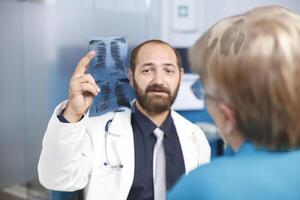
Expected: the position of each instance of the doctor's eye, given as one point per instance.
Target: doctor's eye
(169, 70)
(147, 71)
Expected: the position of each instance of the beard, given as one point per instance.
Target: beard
(155, 103)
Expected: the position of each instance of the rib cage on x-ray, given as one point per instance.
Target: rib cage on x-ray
(101, 55)
(109, 71)
(115, 53)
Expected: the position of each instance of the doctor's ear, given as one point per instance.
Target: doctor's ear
(181, 71)
(130, 77)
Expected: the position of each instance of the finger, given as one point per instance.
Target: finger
(87, 78)
(87, 87)
(89, 100)
(83, 63)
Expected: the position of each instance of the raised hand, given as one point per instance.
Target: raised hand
(82, 90)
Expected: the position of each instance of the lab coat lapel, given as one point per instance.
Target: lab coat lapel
(186, 140)
(121, 125)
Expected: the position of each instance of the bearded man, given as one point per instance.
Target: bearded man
(138, 153)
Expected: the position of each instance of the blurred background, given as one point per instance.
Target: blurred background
(41, 43)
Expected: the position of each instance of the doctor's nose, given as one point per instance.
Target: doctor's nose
(158, 78)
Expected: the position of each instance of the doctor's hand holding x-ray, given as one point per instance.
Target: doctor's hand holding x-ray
(82, 90)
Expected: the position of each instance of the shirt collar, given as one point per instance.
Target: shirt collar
(246, 148)
(144, 123)
(148, 126)
(167, 125)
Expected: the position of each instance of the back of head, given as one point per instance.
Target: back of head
(252, 63)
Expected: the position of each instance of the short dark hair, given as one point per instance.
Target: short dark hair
(135, 52)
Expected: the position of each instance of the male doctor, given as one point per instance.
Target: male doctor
(134, 154)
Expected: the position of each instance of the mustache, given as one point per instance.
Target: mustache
(157, 88)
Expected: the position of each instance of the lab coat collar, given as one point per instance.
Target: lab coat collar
(186, 138)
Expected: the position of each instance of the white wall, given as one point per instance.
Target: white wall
(12, 93)
(41, 43)
(208, 13)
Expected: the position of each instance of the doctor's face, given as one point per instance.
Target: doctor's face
(156, 77)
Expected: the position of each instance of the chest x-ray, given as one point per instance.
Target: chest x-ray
(109, 69)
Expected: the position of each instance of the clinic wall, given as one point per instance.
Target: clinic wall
(41, 43)
(208, 12)
(12, 90)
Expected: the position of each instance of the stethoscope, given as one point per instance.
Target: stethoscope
(107, 163)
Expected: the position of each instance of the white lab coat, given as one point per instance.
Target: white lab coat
(73, 154)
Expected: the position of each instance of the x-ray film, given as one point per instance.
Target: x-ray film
(109, 69)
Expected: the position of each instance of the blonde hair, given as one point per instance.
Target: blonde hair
(253, 60)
